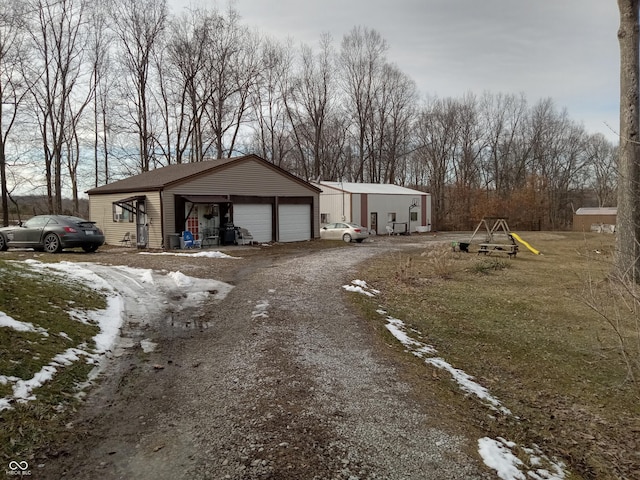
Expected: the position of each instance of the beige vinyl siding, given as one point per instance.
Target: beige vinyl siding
(101, 212)
(249, 178)
(244, 178)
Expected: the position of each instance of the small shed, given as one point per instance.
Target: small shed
(585, 217)
(207, 198)
(375, 206)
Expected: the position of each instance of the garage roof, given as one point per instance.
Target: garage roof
(372, 188)
(597, 211)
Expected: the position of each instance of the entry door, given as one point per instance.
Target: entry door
(142, 228)
(374, 221)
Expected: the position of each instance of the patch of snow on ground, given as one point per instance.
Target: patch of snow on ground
(206, 254)
(360, 286)
(260, 310)
(497, 454)
(145, 275)
(22, 389)
(147, 345)
(181, 279)
(421, 350)
(7, 321)
(468, 384)
(120, 285)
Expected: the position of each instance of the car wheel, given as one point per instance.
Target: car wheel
(52, 243)
(90, 248)
(346, 237)
(3, 243)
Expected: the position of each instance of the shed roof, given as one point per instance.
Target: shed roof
(162, 177)
(371, 188)
(597, 211)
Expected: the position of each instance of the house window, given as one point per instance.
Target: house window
(120, 215)
(414, 216)
(324, 218)
(391, 217)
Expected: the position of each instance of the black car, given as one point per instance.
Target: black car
(52, 233)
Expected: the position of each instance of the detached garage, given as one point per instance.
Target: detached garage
(209, 199)
(587, 219)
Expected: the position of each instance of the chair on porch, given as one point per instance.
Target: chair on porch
(243, 237)
(126, 240)
(210, 237)
(189, 241)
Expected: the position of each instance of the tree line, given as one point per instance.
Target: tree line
(94, 91)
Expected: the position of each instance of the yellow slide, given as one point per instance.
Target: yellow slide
(517, 237)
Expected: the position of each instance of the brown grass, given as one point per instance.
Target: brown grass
(523, 328)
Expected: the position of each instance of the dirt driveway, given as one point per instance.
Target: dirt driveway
(279, 380)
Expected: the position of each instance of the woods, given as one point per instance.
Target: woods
(91, 93)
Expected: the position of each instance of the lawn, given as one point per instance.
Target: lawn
(523, 328)
(43, 333)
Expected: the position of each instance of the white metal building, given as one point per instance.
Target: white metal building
(375, 206)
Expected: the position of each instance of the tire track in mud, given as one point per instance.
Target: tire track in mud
(278, 380)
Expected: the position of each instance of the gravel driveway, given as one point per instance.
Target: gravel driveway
(280, 380)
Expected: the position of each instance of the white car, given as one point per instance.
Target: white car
(344, 231)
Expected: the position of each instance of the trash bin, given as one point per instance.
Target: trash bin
(173, 241)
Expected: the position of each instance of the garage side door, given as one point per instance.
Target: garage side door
(257, 218)
(294, 223)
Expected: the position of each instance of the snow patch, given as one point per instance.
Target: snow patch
(7, 321)
(360, 286)
(215, 254)
(260, 310)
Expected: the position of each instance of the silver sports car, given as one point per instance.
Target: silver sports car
(52, 233)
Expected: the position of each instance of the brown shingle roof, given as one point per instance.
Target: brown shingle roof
(161, 177)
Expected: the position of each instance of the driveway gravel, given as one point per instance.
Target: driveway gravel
(280, 379)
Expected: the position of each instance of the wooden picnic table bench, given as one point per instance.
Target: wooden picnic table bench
(488, 248)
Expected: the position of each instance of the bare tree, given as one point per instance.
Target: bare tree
(602, 158)
(187, 46)
(233, 67)
(273, 136)
(392, 123)
(437, 133)
(12, 84)
(101, 83)
(308, 103)
(628, 223)
(58, 37)
(505, 118)
(139, 25)
(362, 59)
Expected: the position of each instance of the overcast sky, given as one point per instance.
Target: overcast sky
(563, 49)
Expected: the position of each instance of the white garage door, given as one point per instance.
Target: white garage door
(257, 218)
(294, 222)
